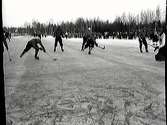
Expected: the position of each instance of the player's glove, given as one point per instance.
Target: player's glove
(40, 48)
(157, 47)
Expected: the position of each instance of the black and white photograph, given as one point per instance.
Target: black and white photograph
(84, 62)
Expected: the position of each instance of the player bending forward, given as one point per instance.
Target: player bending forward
(142, 41)
(161, 55)
(89, 42)
(33, 43)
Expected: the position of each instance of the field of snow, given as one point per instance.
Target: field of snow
(115, 86)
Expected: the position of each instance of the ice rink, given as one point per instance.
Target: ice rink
(84, 89)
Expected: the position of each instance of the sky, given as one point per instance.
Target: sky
(17, 12)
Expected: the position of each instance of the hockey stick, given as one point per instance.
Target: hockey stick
(12, 41)
(9, 56)
(101, 47)
(151, 45)
(54, 59)
(155, 48)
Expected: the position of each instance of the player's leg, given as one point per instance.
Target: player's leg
(61, 44)
(145, 44)
(140, 45)
(90, 46)
(55, 45)
(83, 44)
(28, 47)
(160, 56)
(36, 54)
(90, 49)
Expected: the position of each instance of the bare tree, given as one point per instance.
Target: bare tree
(158, 13)
(124, 18)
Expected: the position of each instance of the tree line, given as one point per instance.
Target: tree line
(147, 20)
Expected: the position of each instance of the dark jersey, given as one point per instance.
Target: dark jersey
(4, 42)
(58, 33)
(7, 34)
(155, 38)
(34, 43)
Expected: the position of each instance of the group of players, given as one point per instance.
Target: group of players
(157, 38)
(89, 41)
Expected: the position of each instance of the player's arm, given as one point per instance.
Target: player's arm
(54, 34)
(96, 43)
(43, 48)
(162, 41)
(61, 33)
(5, 43)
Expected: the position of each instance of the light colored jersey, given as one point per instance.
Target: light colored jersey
(162, 40)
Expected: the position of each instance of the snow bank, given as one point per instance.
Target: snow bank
(119, 42)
